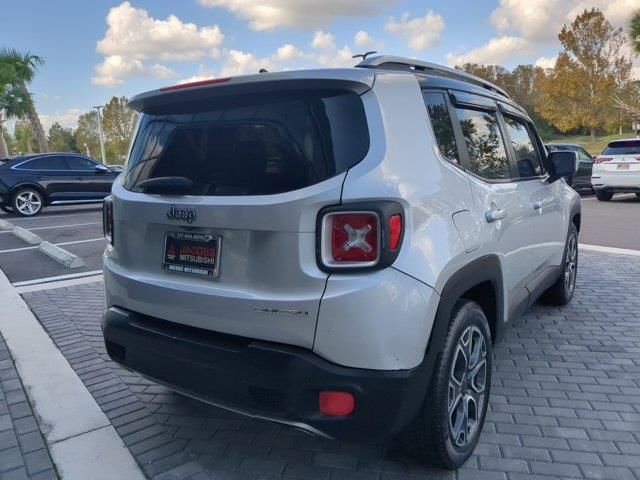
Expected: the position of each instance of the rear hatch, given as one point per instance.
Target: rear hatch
(621, 157)
(214, 215)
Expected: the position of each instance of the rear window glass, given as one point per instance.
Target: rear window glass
(623, 148)
(252, 145)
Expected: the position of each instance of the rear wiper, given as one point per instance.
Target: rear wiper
(166, 185)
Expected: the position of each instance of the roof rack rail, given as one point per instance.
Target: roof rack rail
(402, 63)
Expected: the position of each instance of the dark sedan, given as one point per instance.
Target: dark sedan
(28, 183)
(581, 181)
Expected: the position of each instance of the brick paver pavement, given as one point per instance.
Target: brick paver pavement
(23, 453)
(565, 401)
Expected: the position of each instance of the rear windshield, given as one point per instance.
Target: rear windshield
(623, 148)
(252, 145)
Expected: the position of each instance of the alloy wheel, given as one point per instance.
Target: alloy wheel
(28, 203)
(467, 386)
(571, 264)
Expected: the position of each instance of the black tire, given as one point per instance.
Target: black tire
(638, 195)
(27, 202)
(6, 209)
(561, 292)
(430, 437)
(604, 196)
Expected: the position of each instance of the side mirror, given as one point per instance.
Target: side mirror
(101, 169)
(562, 164)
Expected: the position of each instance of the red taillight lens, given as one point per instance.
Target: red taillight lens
(395, 231)
(602, 159)
(336, 404)
(354, 237)
(107, 219)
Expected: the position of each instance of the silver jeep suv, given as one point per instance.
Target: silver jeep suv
(336, 250)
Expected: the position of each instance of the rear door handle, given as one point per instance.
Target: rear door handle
(79, 178)
(538, 204)
(493, 215)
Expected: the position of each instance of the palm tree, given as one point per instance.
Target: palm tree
(25, 65)
(634, 31)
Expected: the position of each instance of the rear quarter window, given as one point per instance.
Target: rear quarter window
(253, 145)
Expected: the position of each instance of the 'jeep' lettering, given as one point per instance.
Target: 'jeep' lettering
(175, 213)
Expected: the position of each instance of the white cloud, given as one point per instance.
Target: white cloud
(364, 40)
(67, 118)
(546, 62)
(270, 14)
(420, 32)
(323, 40)
(492, 52)
(133, 38)
(114, 67)
(131, 32)
(541, 20)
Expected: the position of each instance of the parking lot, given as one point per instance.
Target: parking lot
(77, 230)
(564, 403)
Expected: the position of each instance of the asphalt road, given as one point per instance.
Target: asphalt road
(611, 224)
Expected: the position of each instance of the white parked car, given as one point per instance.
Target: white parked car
(617, 169)
(336, 250)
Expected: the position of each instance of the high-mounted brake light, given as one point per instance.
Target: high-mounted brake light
(359, 236)
(602, 159)
(107, 219)
(199, 83)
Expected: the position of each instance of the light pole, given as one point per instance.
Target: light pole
(104, 155)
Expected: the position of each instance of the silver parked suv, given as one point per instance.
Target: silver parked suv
(336, 250)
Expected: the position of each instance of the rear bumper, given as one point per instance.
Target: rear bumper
(264, 379)
(616, 181)
(617, 189)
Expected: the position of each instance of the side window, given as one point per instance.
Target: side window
(45, 163)
(487, 153)
(81, 163)
(442, 125)
(527, 156)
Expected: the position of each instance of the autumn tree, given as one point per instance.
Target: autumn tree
(61, 139)
(118, 123)
(591, 69)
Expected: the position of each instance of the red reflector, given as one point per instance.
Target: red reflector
(395, 230)
(354, 237)
(602, 159)
(195, 84)
(337, 404)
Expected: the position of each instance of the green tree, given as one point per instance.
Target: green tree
(118, 123)
(13, 101)
(25, 139)
(61, 139)
(25, 66)
(86, 134)
(590, 71)
(9, 141)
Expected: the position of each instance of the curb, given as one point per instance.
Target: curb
(80, 438)
(4, 225)
(27, 236)
(68, 259)
(615, 250)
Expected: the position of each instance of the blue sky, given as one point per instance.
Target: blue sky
(97, 48)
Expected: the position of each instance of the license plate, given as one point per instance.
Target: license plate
(623, 166)
(192, 253)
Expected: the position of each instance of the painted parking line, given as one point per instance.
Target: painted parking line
(59, 226)
(60, 284)
(57, 278)
(58, 215)
(57, 244)
(601, 249)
